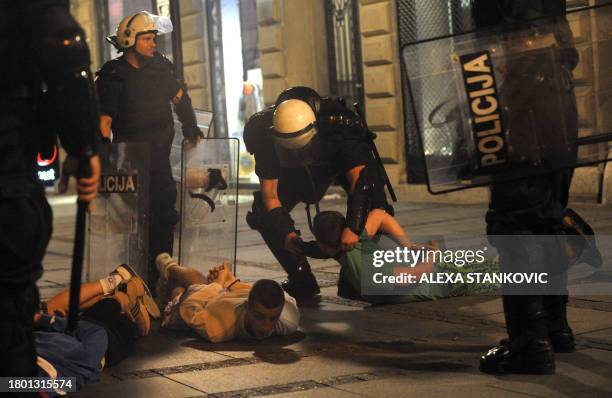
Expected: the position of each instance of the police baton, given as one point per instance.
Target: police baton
(371, 137)
(84, 170)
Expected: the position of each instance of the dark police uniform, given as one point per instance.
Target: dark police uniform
(139, 102)
(340, 145)
(532, 206)
(42, 47)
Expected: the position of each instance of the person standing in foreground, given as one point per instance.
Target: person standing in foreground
(136, 92)
(46, 87)
(532, 208)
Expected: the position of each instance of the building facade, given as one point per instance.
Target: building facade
(349, 48)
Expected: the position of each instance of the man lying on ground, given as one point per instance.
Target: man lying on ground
(115, 311)
(328, 226)
(221, 308)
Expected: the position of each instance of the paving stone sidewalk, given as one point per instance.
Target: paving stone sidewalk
(348, 348)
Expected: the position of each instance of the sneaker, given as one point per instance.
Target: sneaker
(164, 262)
(143, 292)
(133, 308)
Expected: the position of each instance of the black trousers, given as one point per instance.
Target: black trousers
(161, 227)
(120, 330)
(25, 230)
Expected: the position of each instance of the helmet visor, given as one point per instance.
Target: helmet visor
(162, 23)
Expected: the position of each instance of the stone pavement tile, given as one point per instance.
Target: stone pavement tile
(257, 253)
(145, 388)
(428, 386)
(472, 305)
(162, 350)
(599, 339)
(268, 374)
(250, 273)
(250, 349)
(325, 392)
(584, 320)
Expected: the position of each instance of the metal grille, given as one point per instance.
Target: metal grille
(343, 50)
(420, 20)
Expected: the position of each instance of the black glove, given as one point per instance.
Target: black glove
(192, 133)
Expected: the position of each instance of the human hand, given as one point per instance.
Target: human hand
(87, 186)
(293, 242)
(348, 240)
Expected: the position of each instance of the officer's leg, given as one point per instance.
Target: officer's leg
(300, 282)
(17, 305)
(25, 229)
(555, 302)
(161, 228)
(528, 349)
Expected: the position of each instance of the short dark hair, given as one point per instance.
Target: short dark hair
(328, 226)
(267, 293)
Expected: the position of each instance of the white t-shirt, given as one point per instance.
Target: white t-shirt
(219, 315)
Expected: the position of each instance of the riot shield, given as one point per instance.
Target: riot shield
(514, 101)
(209, 203)
(118, 227)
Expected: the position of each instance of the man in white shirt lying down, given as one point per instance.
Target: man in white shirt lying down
(221, 308)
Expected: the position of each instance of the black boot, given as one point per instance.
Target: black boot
(559, 331)
(528, 349)
(301, 283)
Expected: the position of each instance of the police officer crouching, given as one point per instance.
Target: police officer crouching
(136, 91)
(301, 146)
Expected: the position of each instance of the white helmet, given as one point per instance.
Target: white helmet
(133, 25)
(294, 124)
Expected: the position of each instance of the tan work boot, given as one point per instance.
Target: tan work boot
(128, 274)
(133, 308)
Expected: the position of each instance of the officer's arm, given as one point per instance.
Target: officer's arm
(353, 175)
(186, 115)
(269, 192)
(62, 56)
(105, 125)
(357, 207)
(278, 217)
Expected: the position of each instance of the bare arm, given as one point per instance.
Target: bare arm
(380, 221)
(177, 98)
(349, 239)
(353, 175)
(269, 193)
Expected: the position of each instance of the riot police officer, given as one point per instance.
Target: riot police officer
(45, 87)
(532, 208)
(136, 92)
(301, 145)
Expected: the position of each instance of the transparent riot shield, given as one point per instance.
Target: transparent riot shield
(209, 200)
(509, 102)
(118, 227)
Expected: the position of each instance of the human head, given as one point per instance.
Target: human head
(132, 27)
(328, 227)
(306, 94)
(294, 124)
(264, 307)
